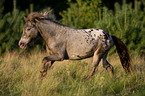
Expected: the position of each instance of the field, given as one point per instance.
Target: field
(19, 75)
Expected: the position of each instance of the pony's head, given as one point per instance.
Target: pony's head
(30, 30)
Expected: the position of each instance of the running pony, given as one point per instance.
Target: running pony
(67, 43)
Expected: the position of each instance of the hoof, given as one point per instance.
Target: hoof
(43, 74)
(42, 70)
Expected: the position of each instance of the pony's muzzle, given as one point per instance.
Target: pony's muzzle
(22, 45)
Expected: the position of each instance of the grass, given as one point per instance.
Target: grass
(19, 75)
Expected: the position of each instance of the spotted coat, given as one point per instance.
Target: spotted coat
(100, 35)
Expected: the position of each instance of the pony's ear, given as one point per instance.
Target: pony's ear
(26, 19)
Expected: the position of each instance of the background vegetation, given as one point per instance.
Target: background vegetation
(19, 69)
(125, 19)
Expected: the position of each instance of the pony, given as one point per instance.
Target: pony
(65, 43)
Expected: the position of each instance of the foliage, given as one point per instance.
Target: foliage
(81, 14)
(20, 76)
(1, 7)
(38, 5)
(11, 26)
(125, 22)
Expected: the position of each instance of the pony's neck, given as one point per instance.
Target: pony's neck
(50, 29)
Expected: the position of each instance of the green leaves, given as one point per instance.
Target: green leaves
(125, 22)
(81, 14)
(10, 30)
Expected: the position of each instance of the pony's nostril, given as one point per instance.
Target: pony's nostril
(21, 44)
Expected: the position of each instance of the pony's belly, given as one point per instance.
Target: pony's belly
(81, 53)
(81, 49)
(79, 56)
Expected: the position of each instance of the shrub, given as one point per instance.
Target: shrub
(81, 14)
(125, 22)
(11, 26)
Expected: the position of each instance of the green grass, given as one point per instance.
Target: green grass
(19, 75)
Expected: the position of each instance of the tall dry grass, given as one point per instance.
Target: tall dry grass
(19, 75)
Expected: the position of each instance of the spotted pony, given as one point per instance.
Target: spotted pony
(64, 43)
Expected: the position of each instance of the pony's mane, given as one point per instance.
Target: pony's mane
(37, 16)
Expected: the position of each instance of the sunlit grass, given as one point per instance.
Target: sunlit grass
(19, 75)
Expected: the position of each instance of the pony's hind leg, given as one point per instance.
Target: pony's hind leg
(96, 59)
(107, 66)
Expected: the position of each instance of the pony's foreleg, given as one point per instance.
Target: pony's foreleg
(108, 66)
(45, 66)
(47, 63)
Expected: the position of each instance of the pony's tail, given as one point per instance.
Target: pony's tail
(123, 54)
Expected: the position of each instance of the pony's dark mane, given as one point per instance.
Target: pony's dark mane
(37, 16)
(54, 21)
